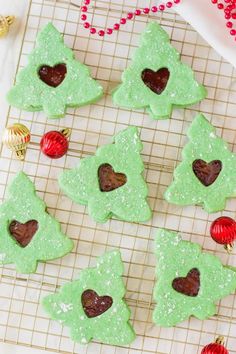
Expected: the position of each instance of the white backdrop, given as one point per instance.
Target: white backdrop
(210, 23)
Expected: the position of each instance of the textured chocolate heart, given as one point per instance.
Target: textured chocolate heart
(93, 304)
(53, 76)
(109, 179)
(207, 173)
(23, 233)
(156, 80)
(190, 285)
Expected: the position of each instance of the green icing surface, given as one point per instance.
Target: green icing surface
(156, 52)
(175, 259)
(111, 327)
(32, 94)
(48, 242)
(186, 189)
(127, 202)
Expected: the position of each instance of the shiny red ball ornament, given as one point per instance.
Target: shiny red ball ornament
(223, 231)
(54, 144)
(215, 348)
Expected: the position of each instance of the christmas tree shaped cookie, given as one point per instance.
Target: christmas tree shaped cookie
(53, 79)
(111, 182)
(156, 78)
(189, 282)
(207, 174)
(28, 233)
(93, 305)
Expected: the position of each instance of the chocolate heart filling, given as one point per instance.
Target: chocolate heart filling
(95, 305)
(207, 173)
(52, 76)
(23, 233)
(156, 80)
(109, 179)
(190, 285)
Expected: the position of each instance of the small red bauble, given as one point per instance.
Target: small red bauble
(229, 9)
(215, 348)
(55, 144)
(223, 231)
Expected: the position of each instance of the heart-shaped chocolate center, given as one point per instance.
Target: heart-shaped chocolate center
(156, 80)
(93, 304)
(207, 173)
(109, 179)
(52, 76)
(190, 285)
(23, 233)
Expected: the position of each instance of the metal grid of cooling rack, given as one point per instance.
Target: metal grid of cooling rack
(22, 320)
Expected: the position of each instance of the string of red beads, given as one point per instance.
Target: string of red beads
(123, 20)
(229, 8)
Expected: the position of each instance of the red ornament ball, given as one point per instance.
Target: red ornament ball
(54, 144)
(214, 348)
(223, 230)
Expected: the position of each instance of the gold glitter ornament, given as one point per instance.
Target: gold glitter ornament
(17, 137)
(5, 22)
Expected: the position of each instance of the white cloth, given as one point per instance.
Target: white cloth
(210, 23)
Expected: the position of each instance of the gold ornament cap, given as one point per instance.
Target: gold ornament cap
(17, 137)
(220, 340)
(229, 247)
(5, 22)
(66, 132)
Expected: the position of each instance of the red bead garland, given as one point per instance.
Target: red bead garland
(123, 20)
(229, 8)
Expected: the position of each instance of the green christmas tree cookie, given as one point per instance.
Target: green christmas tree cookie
(156, 78)
(53, 79)
(111, 182)
(189, 282)
(207, 174)
(93, 305)
(28, 233)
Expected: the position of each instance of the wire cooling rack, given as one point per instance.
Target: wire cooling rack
(22, 320)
